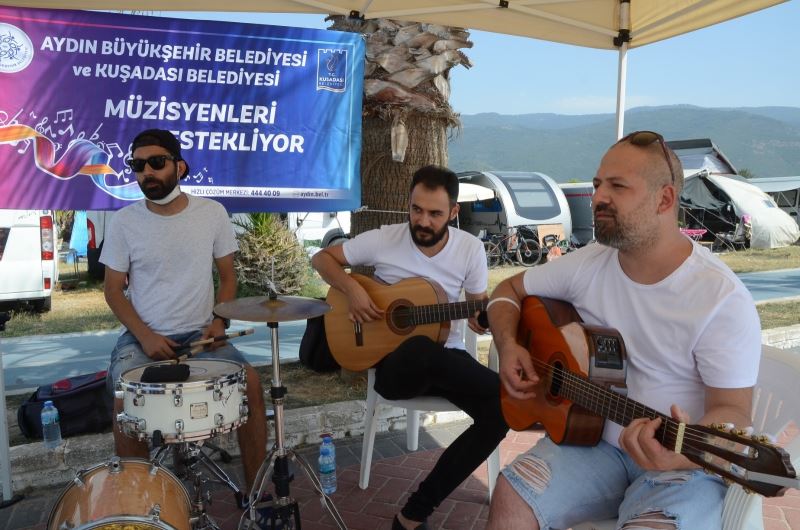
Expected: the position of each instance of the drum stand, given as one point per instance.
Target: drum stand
(284, 511)
(186, 459)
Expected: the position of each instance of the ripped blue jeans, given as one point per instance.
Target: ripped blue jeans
(567, 485)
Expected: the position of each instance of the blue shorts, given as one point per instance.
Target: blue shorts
(128, 354)
(602, 482)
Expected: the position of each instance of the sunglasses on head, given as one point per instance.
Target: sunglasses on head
(155, 162)
(645, 138)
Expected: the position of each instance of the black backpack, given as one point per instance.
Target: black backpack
(84, 406)
(314, 352)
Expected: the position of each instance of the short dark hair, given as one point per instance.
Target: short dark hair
(433, 177)
(161, 138)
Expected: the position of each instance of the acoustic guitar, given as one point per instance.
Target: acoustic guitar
(579, 368)
(414, 306)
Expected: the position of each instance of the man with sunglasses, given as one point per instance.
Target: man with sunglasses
(693, 345)
(159, 256)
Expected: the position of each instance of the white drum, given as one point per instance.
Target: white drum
(211, 401)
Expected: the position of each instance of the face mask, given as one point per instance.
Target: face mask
(171, 196)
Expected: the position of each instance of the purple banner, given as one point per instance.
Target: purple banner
(269, 118)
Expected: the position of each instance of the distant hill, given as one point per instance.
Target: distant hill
(763, 140)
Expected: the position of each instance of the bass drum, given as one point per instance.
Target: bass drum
(122, 494)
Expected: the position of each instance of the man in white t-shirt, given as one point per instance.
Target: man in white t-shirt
(693, 345)
(427, 246)
(159, 256)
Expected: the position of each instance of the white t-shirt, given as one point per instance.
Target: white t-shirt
(169, 261)
(461, 264)
(698, 326)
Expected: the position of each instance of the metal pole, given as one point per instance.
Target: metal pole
(5, 460)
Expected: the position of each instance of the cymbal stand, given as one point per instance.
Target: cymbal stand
(285, 512)
(186, 458)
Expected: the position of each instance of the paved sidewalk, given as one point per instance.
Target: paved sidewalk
(395, 472)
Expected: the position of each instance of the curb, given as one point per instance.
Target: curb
(33, 466)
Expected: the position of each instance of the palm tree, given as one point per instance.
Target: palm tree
(406, 109)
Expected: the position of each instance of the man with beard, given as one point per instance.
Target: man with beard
(428, 246)
(693, 344)
(161, 251)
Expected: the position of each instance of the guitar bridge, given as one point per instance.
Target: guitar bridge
(358, 333)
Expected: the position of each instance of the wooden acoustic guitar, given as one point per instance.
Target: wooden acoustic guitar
(414, 306)
(579, 366)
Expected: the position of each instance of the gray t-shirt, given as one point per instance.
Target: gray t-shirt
(169, 261)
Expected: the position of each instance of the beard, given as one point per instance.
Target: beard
(426, 237)
(623, 234)
(154, 189)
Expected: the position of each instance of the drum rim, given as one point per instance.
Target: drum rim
(72, 483)
(160, 388)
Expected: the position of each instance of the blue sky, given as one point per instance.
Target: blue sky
(751, 61)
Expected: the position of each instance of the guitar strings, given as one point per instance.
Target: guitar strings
(575, 382)
(416, 314)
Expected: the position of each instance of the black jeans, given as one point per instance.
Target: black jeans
(420, 367)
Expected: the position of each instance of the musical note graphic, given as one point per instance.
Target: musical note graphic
(66, 114)
(25, 145)
(94, 135)
(69, 129)
(111, 147)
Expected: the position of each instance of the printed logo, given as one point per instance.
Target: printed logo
(331, 70)
(16, 49)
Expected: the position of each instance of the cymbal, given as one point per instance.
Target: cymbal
(263, 309)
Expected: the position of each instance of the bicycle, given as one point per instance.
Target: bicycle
(515, 246)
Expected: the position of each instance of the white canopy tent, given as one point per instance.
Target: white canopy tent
(605, 24)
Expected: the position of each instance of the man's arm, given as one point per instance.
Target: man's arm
(156, 346)
(516, 369)
(329, 263)
(225, 293)
(723, 405)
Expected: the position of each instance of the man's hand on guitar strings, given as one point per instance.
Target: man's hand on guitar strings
(362, 308)
(639, 440)
(475, 323)
(517, 372)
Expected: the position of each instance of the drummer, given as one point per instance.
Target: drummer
(161, 251)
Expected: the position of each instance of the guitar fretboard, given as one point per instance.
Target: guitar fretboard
(428, 314)
(609, 404)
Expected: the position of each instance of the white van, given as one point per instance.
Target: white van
(28, 260)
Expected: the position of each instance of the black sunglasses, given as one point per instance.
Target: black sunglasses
(155, 162)
(645, 138)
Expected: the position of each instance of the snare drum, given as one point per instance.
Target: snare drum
(211, 401)
(126, 493)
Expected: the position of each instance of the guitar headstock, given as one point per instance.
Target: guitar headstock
(751, 461)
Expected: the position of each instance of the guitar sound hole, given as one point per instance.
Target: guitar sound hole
(401, 318)
(556, 379)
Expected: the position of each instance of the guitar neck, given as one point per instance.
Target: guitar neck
(429, 314)
(611, 405)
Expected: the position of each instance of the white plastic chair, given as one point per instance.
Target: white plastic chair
(775, 407)
(413, 408)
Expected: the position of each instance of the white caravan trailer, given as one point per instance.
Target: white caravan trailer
(579, 198)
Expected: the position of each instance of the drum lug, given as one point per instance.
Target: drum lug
(155, 513)
(217, 394)
(138, 400)
(179, 426)
(219, 419)
(115, 465)
(244, 410)
(177, 400)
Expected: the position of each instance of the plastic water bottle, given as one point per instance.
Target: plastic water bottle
(327, 465)
(51, 428)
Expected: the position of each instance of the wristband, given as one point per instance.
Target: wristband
(502, 299)
(226, 322)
